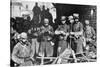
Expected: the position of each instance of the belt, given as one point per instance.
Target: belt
(23, 57)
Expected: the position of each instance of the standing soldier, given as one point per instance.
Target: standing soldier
(36, 11)
(43, 14)
(46, 45)
(49, 16)
(22, 53)
(35, 40)
(77, 31)
(62, 31)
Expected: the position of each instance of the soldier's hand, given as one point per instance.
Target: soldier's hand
(57, 32)
(49, 32)
(27, 59)
(94, 37)
(52, 43)
(88, 39)
(62, 32)
(72, 33)
(35, 34)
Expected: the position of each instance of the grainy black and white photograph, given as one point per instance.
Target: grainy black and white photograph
(47, 33)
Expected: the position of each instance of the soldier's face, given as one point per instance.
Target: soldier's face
(63, 21)
(76, 20)
(72, 21)
(24, 39)
(87, 22)
(46, 21)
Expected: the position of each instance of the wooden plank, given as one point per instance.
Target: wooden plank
(47, 57)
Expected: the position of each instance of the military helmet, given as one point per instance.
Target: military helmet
(70, 17)
(87, 22)
(23, 35)
(46, 20)
(76, 15)
(63, 18)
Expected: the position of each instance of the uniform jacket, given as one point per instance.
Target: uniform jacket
(20, 52)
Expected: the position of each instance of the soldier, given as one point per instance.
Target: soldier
(90, 37)
(49, 16)
(35, 40)
(89, 31)
(46, 45)
(36, 11)
(43, 14)
(70, 37)
(63, 32)
(77, 31)
(22, 53)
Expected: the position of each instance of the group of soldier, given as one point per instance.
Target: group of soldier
(38, 41)
(71, 35)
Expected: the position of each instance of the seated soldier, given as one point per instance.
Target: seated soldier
(22, 52)
(90, 37)
(89, 32)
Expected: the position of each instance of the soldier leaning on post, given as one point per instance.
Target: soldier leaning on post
(22, 52)
(77, 31)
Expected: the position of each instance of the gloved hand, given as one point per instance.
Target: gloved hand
(52, 43)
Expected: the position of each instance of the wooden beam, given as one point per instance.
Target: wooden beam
(47, 57)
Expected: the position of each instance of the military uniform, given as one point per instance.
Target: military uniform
(62, 44)
(21, 53)
(89, 32)
(46, 36)
(35, 42)
(77, 28)
(36, 17)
